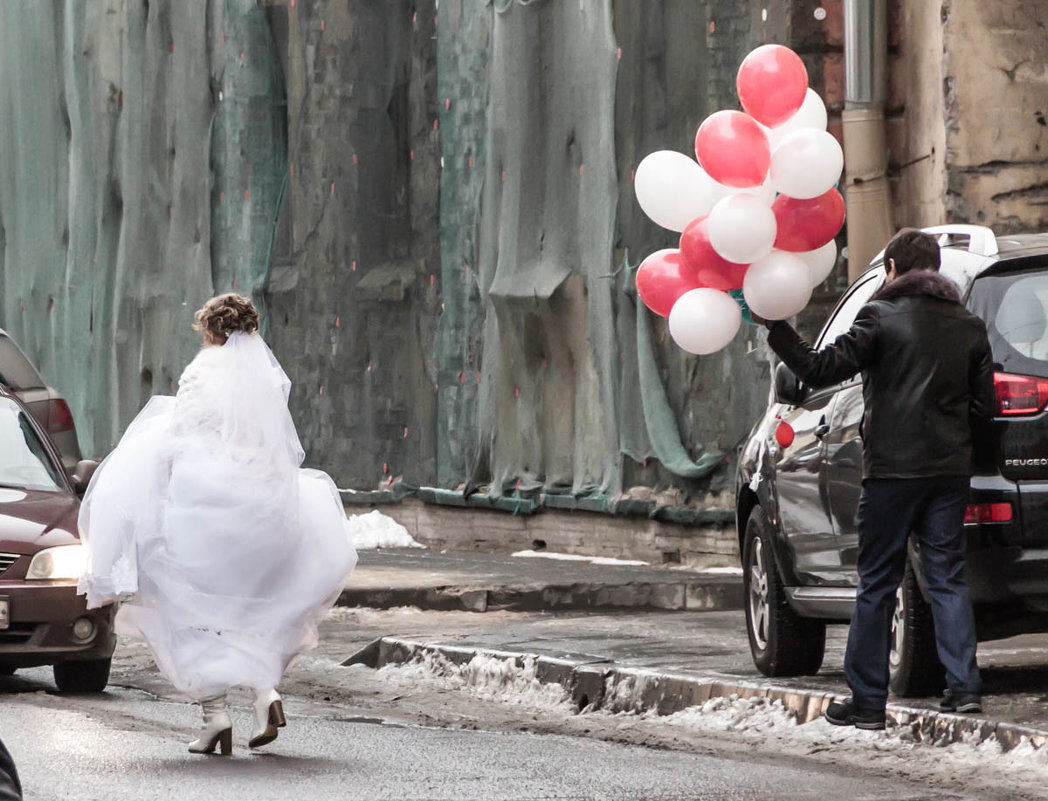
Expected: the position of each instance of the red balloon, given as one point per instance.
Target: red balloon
(784, 434)
(772, 82)
(706, 265)
(807, 224)
(733, 149)
(662, 278)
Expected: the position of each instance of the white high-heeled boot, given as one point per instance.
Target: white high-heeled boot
(218, 728)
(269, 716)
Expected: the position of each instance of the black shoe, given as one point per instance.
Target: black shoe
(847, 714)
(965, 703)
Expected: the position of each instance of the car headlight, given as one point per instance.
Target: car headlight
(63, 562)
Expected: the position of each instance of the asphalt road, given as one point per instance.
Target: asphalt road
(128, 745)
(400, 733)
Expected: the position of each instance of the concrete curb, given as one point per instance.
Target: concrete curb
(600, 685)
(712, 595)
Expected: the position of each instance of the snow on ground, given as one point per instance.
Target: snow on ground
(758, 723)
(571, 557)
(607, 560)
(722, 571)
(486, 677)
(763, 720)
(733, 714)
(366, 614)
(376, 530)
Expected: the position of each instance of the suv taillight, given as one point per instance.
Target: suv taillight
(988, 513)
(59, 418)
(1020, 394)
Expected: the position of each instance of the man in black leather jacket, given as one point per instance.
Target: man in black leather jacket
(927, 372)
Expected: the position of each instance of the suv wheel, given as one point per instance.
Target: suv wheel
(915, 667)
(782, 642)
(82, 677)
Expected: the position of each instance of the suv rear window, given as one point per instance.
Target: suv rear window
(15, 369)
(1014, 307)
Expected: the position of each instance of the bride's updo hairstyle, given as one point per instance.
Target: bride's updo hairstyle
(225, 315)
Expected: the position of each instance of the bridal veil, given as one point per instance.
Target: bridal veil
(227, 551)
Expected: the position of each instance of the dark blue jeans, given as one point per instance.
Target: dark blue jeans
(889, 509)
(10, 787)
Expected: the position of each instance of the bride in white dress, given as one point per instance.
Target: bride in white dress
(226, 552)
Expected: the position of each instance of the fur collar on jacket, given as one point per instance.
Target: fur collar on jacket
(920, 282)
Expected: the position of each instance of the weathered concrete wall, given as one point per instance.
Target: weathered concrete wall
(968, 105)
(996, 102)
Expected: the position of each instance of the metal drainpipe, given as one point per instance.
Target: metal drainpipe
(865, 145)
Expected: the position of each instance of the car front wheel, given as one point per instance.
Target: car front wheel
(782, 642)
(915, 667)
(82, 677)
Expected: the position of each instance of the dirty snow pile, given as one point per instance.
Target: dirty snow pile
(759, 723)
(376, 530)
(732, 713)
(762, 720)
(487, 677)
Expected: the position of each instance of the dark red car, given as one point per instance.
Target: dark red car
(42, 619)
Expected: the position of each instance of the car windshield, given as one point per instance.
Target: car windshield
(1014, 307)
(24, 460)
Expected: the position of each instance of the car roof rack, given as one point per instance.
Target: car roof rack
(981, 240)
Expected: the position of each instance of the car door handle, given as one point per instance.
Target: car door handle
(821, 430)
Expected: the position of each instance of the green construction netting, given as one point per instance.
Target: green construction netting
(578, 392)
(433, 205)
(142, 150)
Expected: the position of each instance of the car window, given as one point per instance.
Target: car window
(844, 315)
(16, 371)
(1015, 309)
(24, 460)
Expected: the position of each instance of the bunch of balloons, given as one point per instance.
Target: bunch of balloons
(758, 211)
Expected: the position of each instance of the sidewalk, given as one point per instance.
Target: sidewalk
(649, 649)
(477, 581)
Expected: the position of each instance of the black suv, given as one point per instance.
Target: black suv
(796, 504)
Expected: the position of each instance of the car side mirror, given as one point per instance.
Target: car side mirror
(788, 388)
(81, 475)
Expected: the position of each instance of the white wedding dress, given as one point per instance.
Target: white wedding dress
(230, 552)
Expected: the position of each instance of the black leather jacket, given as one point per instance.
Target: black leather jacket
(926, 373)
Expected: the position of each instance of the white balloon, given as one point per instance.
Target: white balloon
(811, 114)
(820, 262)
(765, 191)
(704, 320)
(806, 163)
(742, 228)
(778, 286)
(673, 189)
